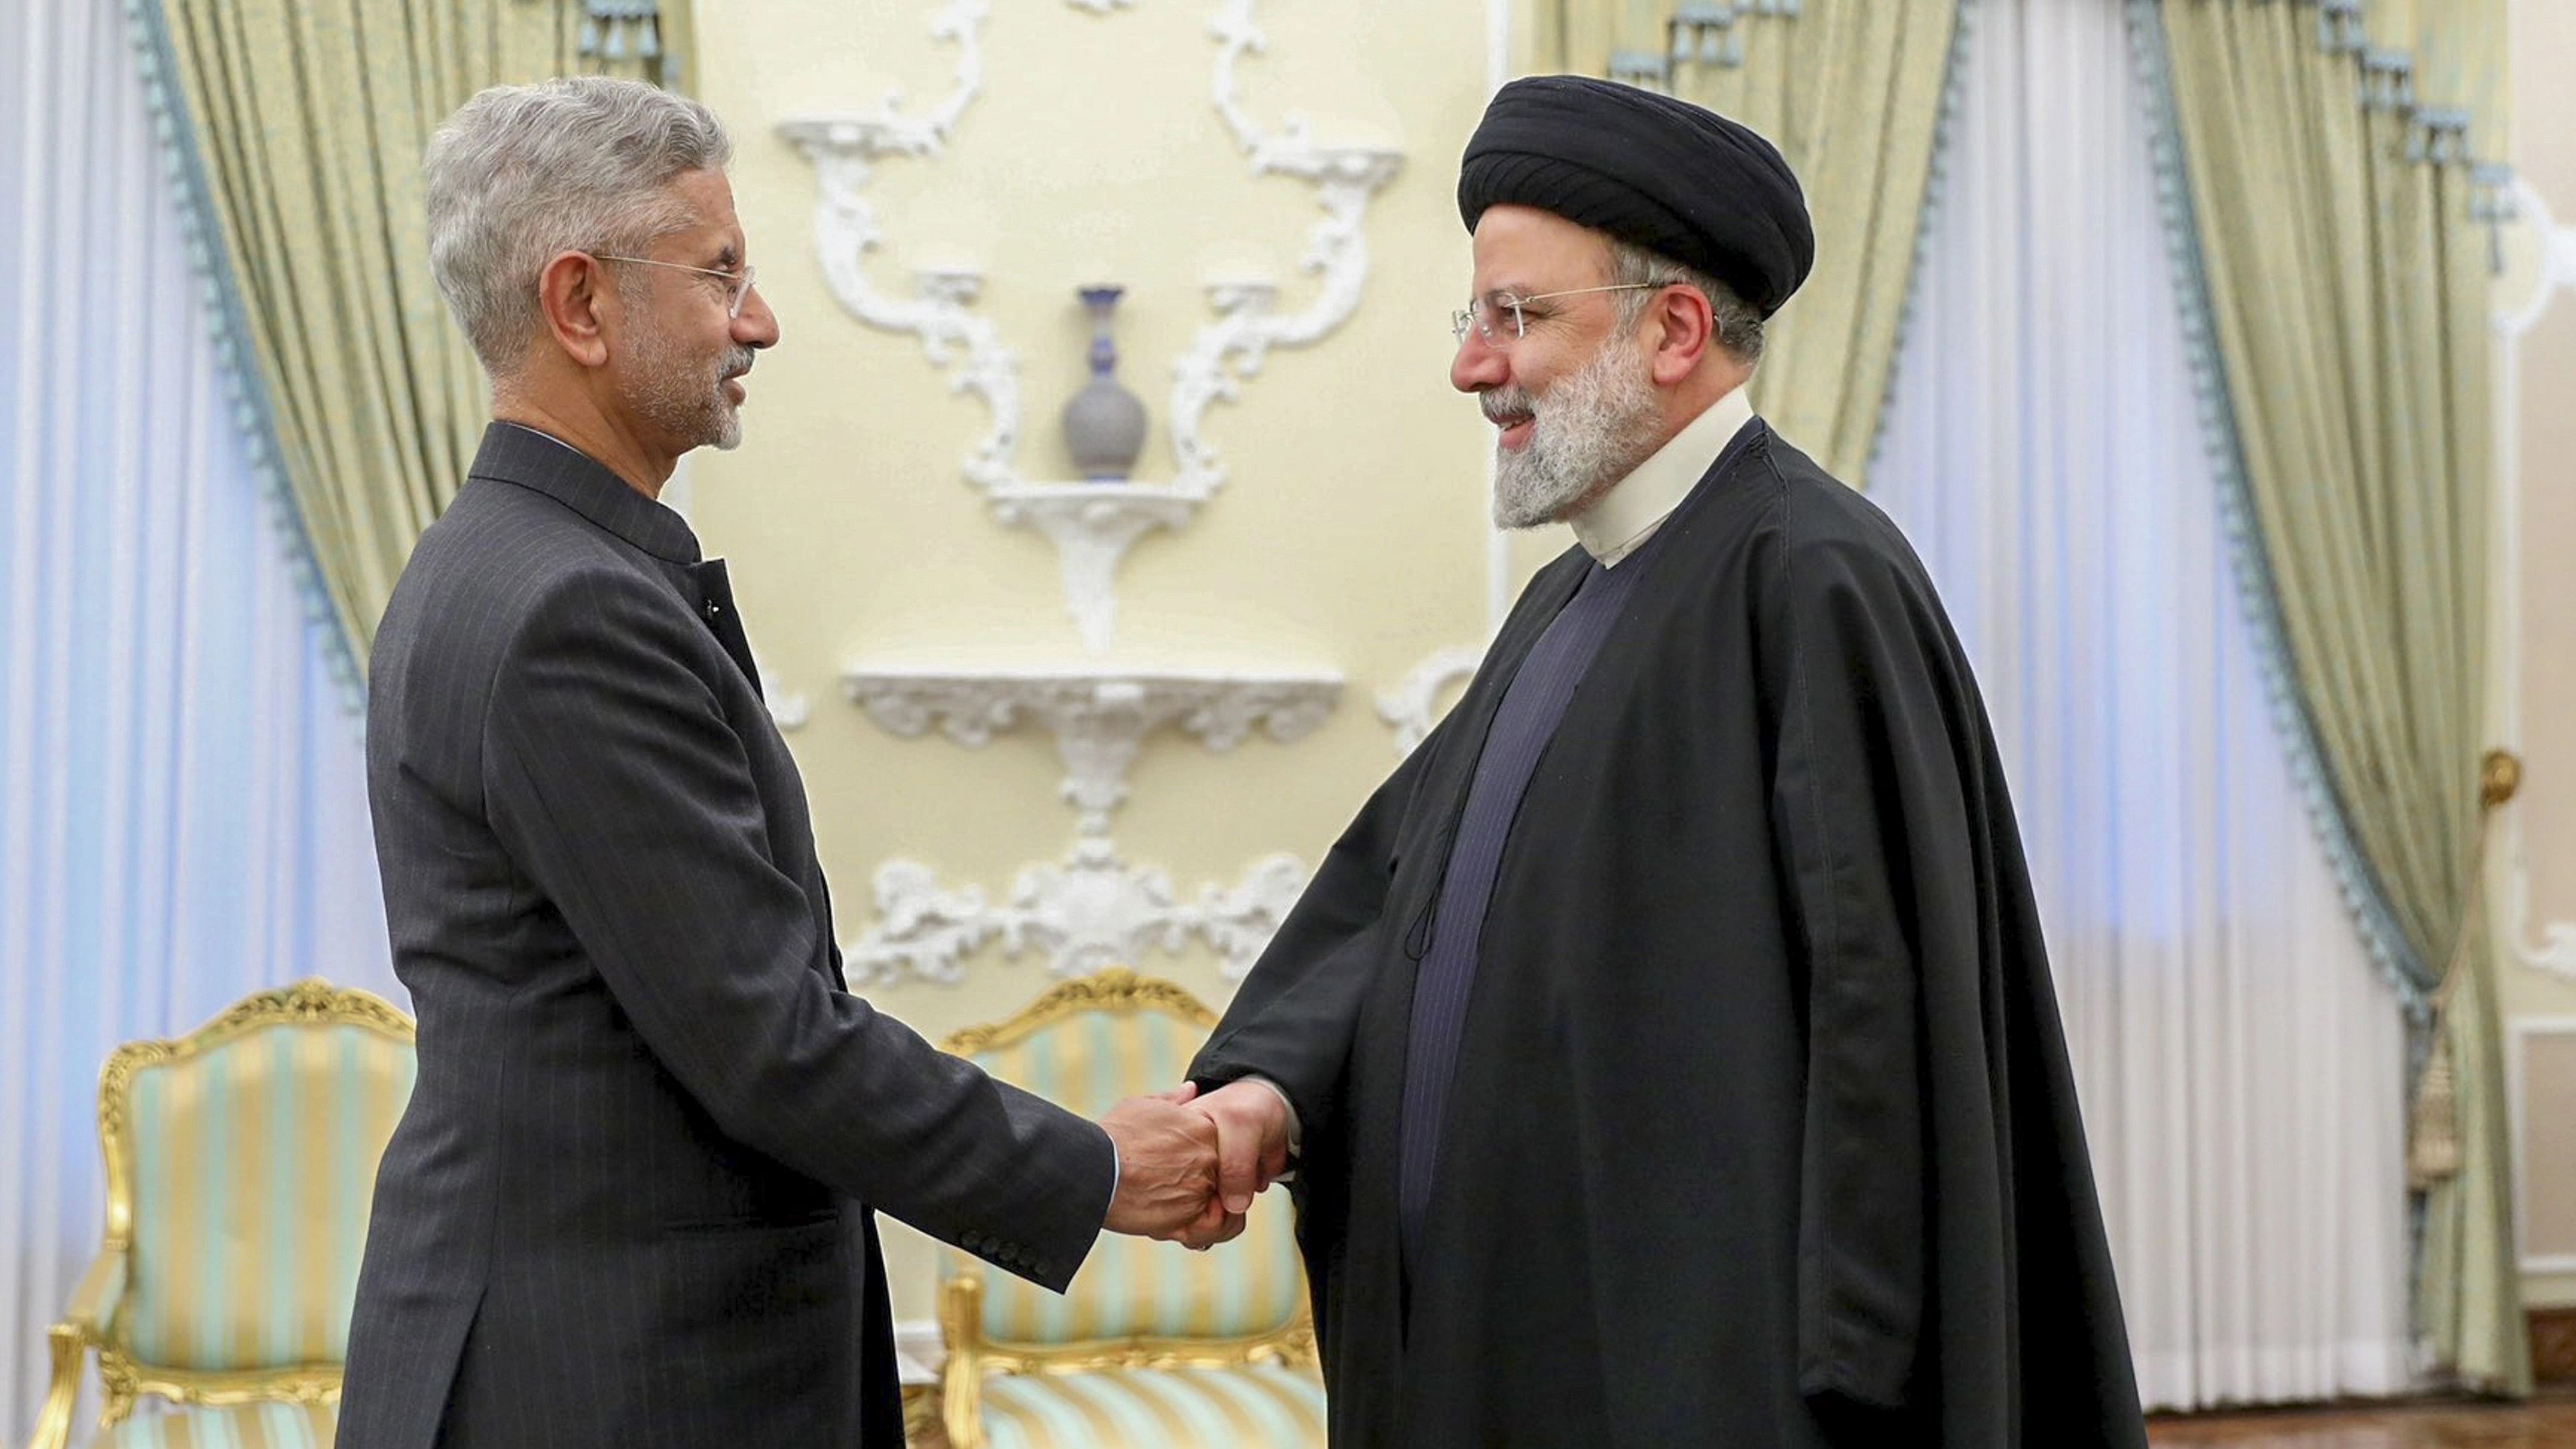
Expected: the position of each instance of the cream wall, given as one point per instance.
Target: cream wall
(1347, 538)
(2540, 1006)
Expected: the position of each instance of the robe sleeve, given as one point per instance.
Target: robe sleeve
(1871, 825)
(1294, 1017)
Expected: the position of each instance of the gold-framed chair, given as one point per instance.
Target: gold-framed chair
(1152, 1346)
(241, 1165)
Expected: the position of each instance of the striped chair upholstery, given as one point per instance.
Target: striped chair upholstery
(1094, 1366)
(241, 1164)
(1132, 1286)
(269, 1425)
(1155, 1408)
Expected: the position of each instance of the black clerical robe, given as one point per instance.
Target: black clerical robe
(1761, 1129)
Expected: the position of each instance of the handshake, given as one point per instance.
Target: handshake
(1189, 1166)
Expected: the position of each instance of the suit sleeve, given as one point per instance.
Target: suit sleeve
(618, 786)
(1293, 1019)
(1872, 827)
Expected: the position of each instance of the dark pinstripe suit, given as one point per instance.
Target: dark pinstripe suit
(630, 1201)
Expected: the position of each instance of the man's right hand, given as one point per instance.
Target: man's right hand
(1166, 1165)
(1252, 1134)
(1252, 1139)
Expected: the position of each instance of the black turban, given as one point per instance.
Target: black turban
(1664, 174)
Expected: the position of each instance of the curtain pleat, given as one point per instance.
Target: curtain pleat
(2240, 1063)
(2342, 250)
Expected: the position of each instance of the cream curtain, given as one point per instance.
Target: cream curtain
(298, 128)
(2340, 224)
(1851, 92)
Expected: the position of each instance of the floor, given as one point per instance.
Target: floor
(2546, 1421)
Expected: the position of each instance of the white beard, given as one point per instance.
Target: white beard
(686, 401)
(1592, 429)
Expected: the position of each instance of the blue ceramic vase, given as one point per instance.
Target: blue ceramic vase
(1104, 424)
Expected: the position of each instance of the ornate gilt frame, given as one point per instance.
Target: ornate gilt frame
(90, 1321)
(961, 1319)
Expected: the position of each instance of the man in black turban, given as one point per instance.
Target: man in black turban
(1668, 1049)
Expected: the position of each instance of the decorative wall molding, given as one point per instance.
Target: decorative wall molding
(1090, 911)
(2553, 248)
(2519, 1034)
(2528, 229)
(2556, 951)
(1093, 908)
(1413, 706)
(787, 711)
(1092, 536)
(1099, 719)
(1092, 525)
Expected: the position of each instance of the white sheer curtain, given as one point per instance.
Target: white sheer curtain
(2239, 1059)
(185, 814)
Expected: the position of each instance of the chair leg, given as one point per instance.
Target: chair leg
(961, 1410)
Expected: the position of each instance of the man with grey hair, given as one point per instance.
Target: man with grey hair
(1668, 1048)
(631, 1200)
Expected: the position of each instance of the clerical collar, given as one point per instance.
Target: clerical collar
(1620, 521)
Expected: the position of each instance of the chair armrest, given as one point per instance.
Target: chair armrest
(101, 1289)
(84, 1323)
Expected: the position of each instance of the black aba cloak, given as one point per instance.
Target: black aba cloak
(1762, 1130)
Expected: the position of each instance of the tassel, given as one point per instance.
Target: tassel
(2433, 1143)
(2433, 1120)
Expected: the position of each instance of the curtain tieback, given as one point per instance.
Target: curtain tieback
(2433, 1118)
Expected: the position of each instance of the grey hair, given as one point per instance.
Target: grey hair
(1739, 327)
(522, 173)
